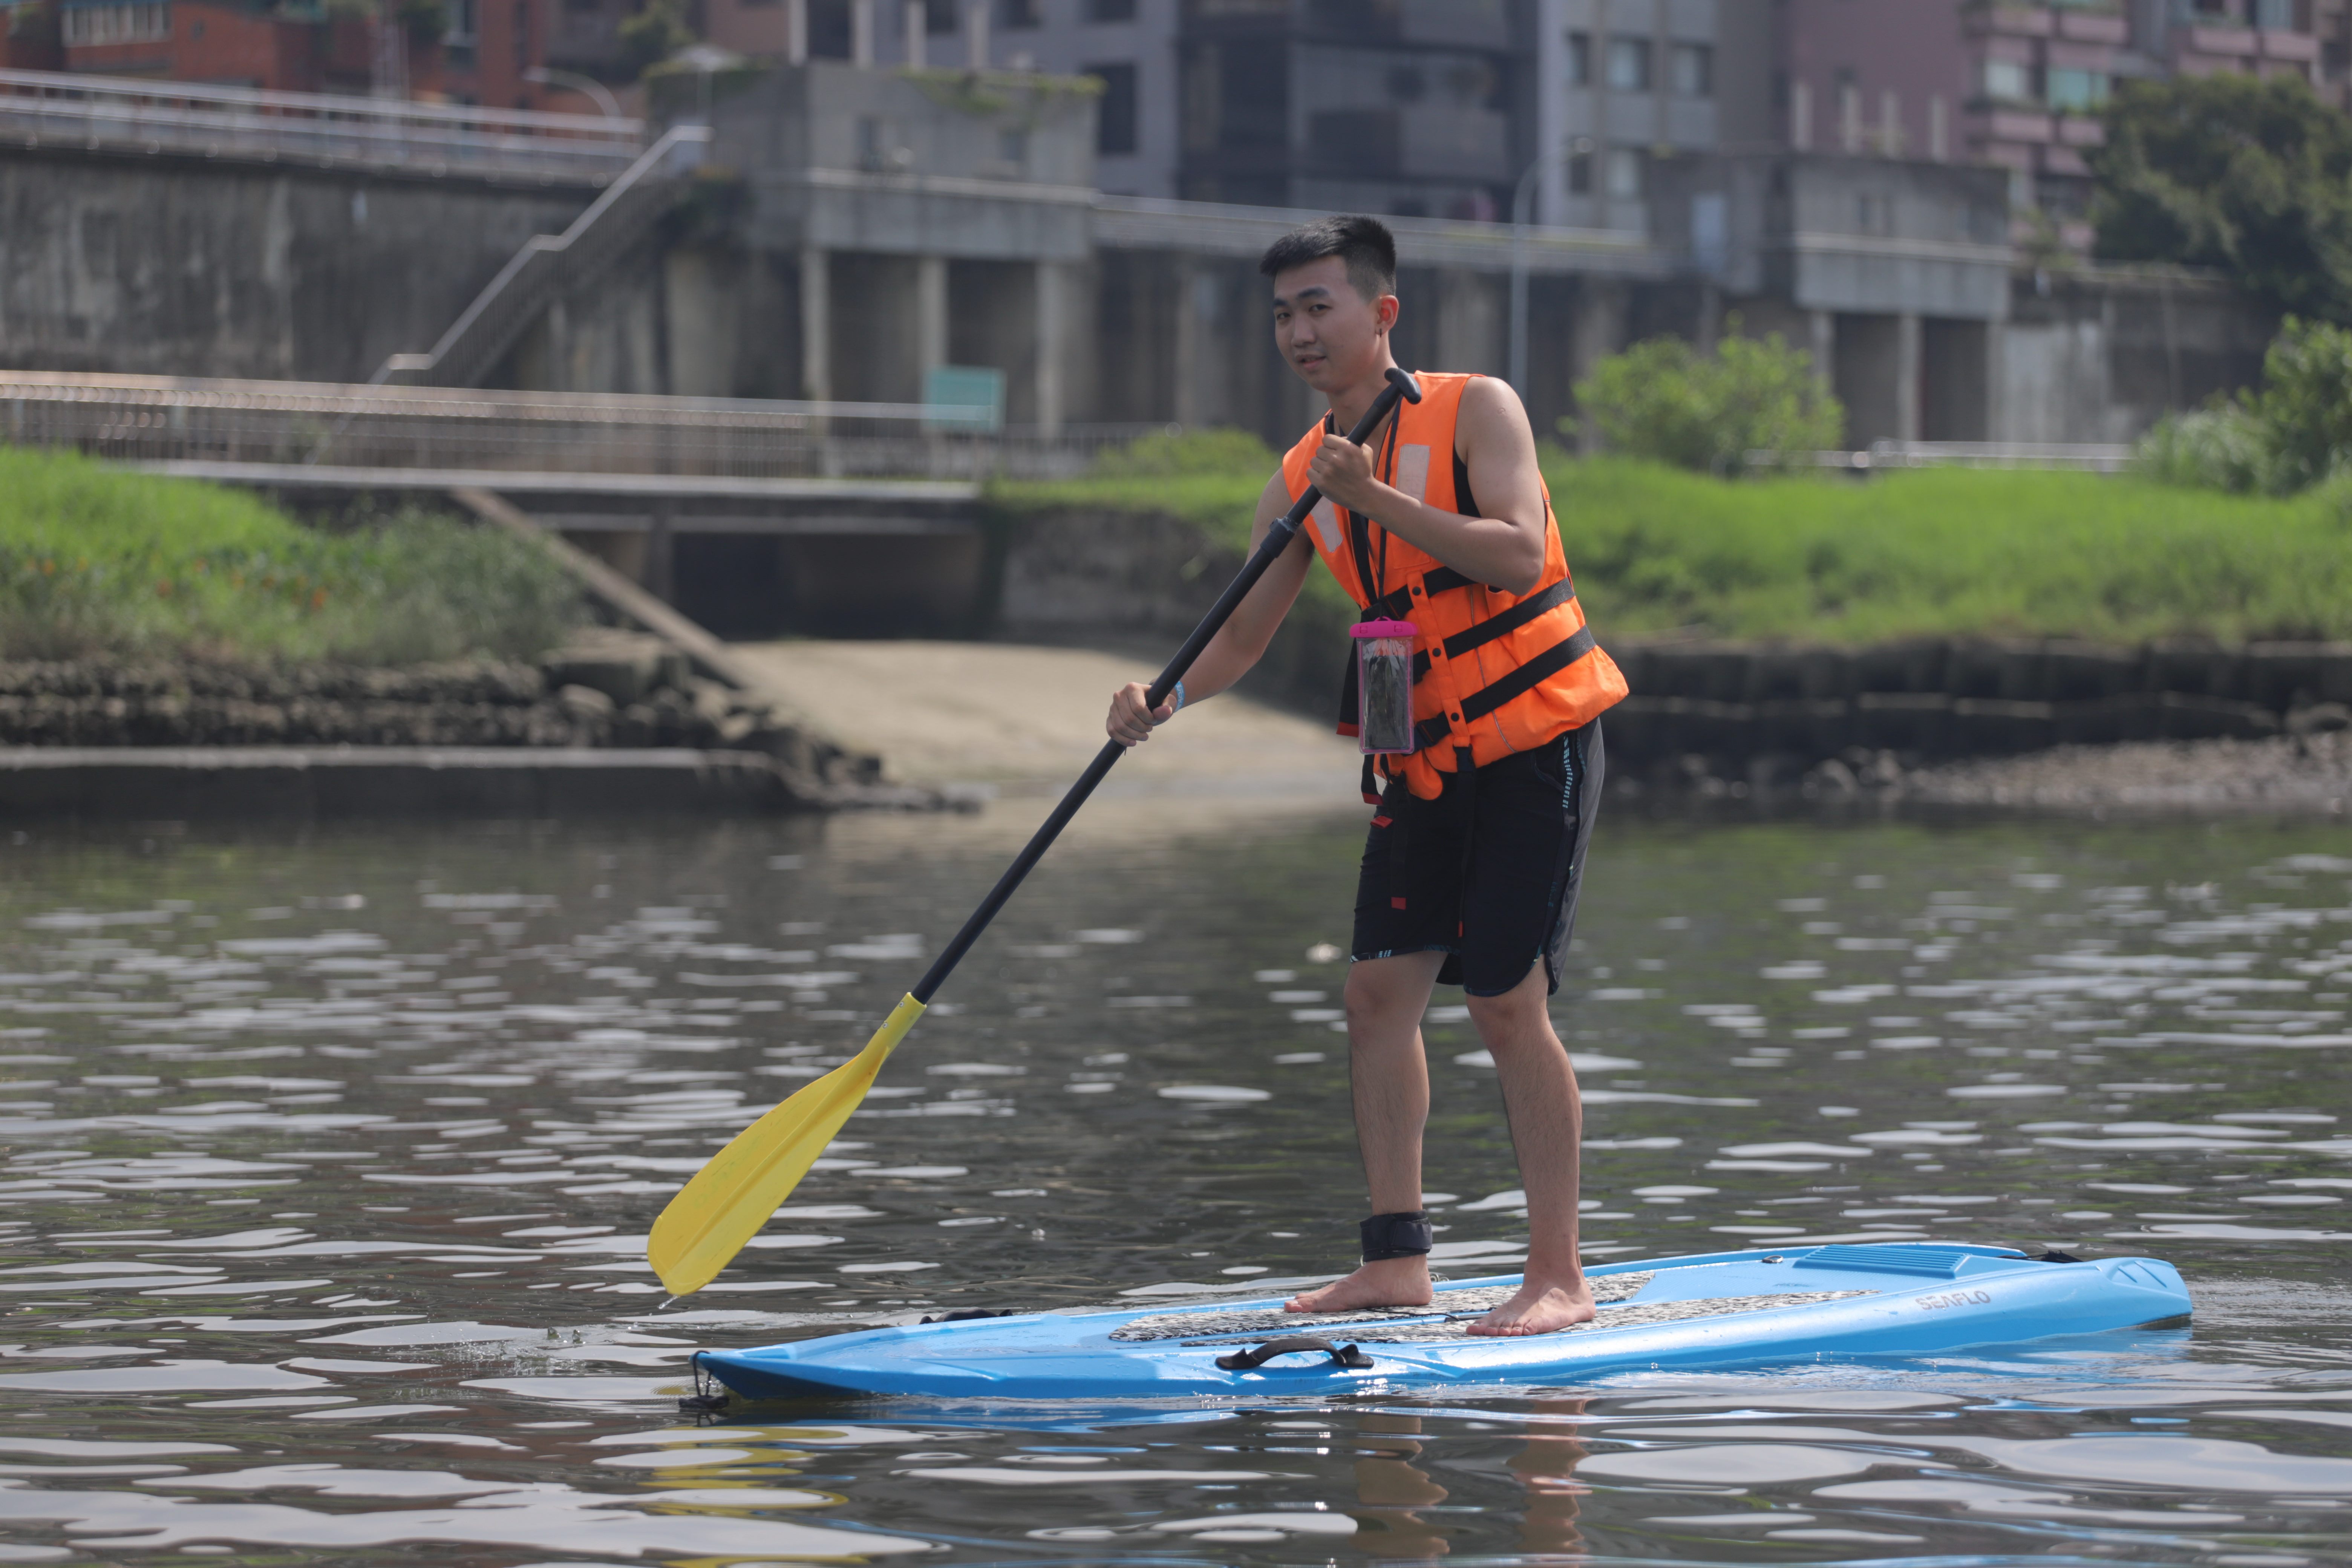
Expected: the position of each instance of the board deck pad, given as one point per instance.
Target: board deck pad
(1742, 1309)
(1426, 1331)
(1449, 1305)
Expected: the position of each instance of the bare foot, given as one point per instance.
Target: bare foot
(1391, 1282)
(1538, 1309)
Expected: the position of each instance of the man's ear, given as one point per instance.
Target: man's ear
(1385, 310)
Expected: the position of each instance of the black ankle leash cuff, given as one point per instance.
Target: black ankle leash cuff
(1389, 1236)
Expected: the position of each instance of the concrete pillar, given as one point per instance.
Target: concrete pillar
(1472, 319)
(1708, 329)
(1052, 326)
(1910, 362)
(861, 34)
(816, 325)
(1849, 120)
(1821, 341)
(703, 297)
(975, 34)
(1939, 130)
(1890, 125)
(930, 318)
(1596, 331)
(918, 54)
(1801, 116)
(1186, 347)
(661, 553)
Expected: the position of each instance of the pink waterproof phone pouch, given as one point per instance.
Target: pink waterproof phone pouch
(1384, 687)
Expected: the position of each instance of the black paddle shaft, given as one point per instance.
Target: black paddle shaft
(1277, 539)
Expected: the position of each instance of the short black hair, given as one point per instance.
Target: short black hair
(1365, 243)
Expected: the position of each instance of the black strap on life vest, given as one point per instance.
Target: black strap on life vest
(1398, 604)
(1519, 682)
(1493, 627)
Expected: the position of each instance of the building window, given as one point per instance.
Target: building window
(1018, 14)
(2080, 90)
(1580, 59)
(1579, 174)
(1694, 66)
(939, 16)
(1115, 131)
(2274, 16)
(2007, 82)
(1110, 10)
(140, 22)
(1628, 173)
(1629, 64)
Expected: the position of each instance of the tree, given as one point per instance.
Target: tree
(657, 32)
(2251, 177)
(1666, 401)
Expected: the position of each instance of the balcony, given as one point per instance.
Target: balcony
(2094, 26)
(2006, 16)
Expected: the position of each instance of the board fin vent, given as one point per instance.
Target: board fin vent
(1933, 1262)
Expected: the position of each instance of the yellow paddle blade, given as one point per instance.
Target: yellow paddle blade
(732, 1196)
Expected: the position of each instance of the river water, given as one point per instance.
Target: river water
(330, 1154)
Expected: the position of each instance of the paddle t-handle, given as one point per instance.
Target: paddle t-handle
(1401, 387)
(727, 1202)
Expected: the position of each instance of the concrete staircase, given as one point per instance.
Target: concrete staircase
(551, 266)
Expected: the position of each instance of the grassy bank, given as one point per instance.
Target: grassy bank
(1936, 552)
(95, 560)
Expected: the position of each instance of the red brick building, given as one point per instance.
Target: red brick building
(455, 51)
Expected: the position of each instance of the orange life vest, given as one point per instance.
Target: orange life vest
(1494, 672)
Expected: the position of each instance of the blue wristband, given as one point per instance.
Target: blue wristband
(1180, 700)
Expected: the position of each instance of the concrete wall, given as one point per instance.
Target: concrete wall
(185, 267)
(2100, 354)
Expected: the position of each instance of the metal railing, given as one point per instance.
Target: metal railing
(156, 419)
(2098, 458)
(54, 108)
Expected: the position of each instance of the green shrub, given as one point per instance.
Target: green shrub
(1713, 413)
(1220, 451)
(2293, 434)
(95, 560)
(2218, 448)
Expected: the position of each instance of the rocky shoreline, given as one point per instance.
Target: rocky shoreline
(606, 690)
(2298, 773)
(2303, 774)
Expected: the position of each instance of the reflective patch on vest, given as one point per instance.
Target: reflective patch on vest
(1412, 472)
(1326, 525)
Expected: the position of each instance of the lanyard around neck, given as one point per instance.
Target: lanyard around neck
(1375, 583)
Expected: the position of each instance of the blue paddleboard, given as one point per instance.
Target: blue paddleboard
(1713, 1309)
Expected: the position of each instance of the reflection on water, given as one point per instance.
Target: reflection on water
(322, 1152)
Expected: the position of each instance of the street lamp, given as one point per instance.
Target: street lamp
(547, 76)
(1522, 197)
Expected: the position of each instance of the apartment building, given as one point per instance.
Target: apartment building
(2019, 84)
(1628, 82)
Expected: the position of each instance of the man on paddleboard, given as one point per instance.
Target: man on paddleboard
(1487, 803)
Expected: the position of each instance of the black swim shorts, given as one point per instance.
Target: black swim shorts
(1489, 872)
